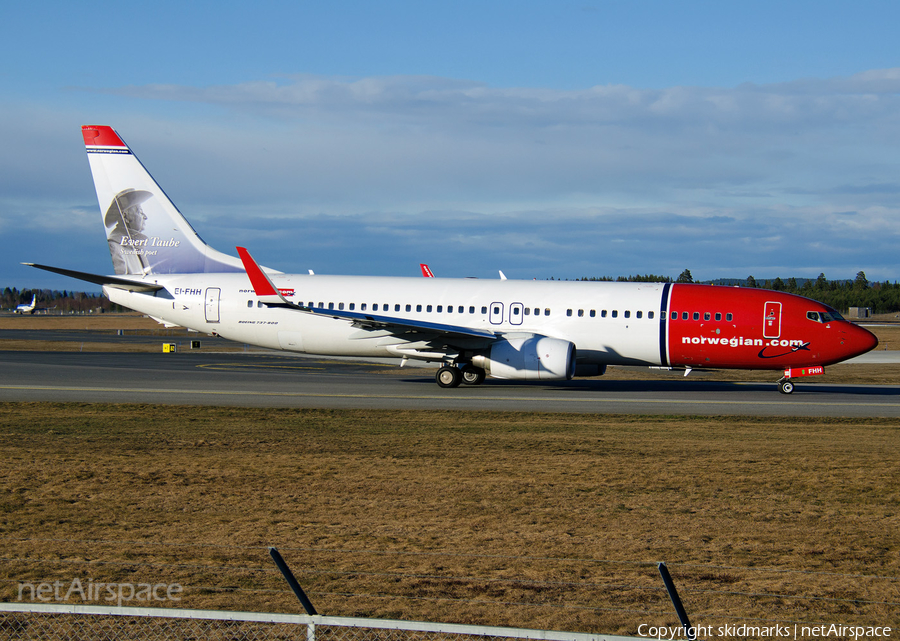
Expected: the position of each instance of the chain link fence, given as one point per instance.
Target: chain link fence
(57, 622)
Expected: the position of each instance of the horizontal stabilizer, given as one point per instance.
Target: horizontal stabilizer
(97, 279)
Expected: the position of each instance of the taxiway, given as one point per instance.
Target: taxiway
(279, 380)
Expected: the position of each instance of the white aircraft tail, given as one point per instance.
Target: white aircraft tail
(146, 232)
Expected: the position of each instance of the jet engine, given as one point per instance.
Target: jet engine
(529, 358)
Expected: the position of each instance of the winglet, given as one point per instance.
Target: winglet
(262, 284)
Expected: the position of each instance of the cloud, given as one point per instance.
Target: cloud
(374, 175)
(450, 101)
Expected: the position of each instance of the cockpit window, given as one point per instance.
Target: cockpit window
(824, 317)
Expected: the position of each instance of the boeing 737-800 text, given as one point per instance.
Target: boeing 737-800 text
(519, 330)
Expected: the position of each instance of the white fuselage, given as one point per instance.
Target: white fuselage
(610, 323)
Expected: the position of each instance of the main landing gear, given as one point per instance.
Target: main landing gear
(451, 375)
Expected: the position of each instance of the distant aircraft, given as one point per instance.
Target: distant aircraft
(510, 329)
(26, 308)
(426, 270)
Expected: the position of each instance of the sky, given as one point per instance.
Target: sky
(544, 139)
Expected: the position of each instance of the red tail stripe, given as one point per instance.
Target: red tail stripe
(101, 136)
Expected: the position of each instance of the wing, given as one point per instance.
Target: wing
(269, 294)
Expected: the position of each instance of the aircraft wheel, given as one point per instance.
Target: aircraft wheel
(786, 387)
(472, 375)
(448, 376)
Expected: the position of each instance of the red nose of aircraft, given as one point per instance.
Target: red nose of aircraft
(858, 341)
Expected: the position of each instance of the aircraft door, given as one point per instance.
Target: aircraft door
(772, 320)
(496, 315)
(212, 304)
(515, 314)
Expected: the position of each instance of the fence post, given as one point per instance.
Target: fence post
(295, 586)
(679, 608)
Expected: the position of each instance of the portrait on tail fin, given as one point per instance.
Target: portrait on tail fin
(124, 221)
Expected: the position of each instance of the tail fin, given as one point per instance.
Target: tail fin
(146, 232)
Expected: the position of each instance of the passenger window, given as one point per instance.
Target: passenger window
(428, 308)
(496, 310)
(674, 315)
(362, 307)
(728, 316)
(527, 311)
(568, 312)
(472, 309)
(515, 311)
(249, 303)
(374, 307)
(615, 313)
(706, 316)
(321, 304)
(408, 308)
(602, 313)
(718, 316)
(650, 315)
(418, 308)
(593, 313)
(696, 315)
(330, 305)
(639, 314)
(580, 313)
(484, 309)
(397, 307)
(684, 315)
(546, 311)
(460, 309)
(627, 314)
(352, 306)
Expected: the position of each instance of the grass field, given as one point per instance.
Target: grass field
(531, 520)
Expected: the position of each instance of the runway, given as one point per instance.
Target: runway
(278, 380)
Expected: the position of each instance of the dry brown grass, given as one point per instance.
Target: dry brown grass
(97, 322)
(531, 520)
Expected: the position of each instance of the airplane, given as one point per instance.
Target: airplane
(426, 270)
(26, 308)
(506, 329)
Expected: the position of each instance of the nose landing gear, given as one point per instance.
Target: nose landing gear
(786, 385)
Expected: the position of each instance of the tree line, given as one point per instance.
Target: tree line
(61, 302)
(881, 297)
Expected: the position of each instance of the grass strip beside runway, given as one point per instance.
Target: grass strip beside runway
(531, 520)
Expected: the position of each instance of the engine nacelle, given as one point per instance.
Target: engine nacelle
(530, 358)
